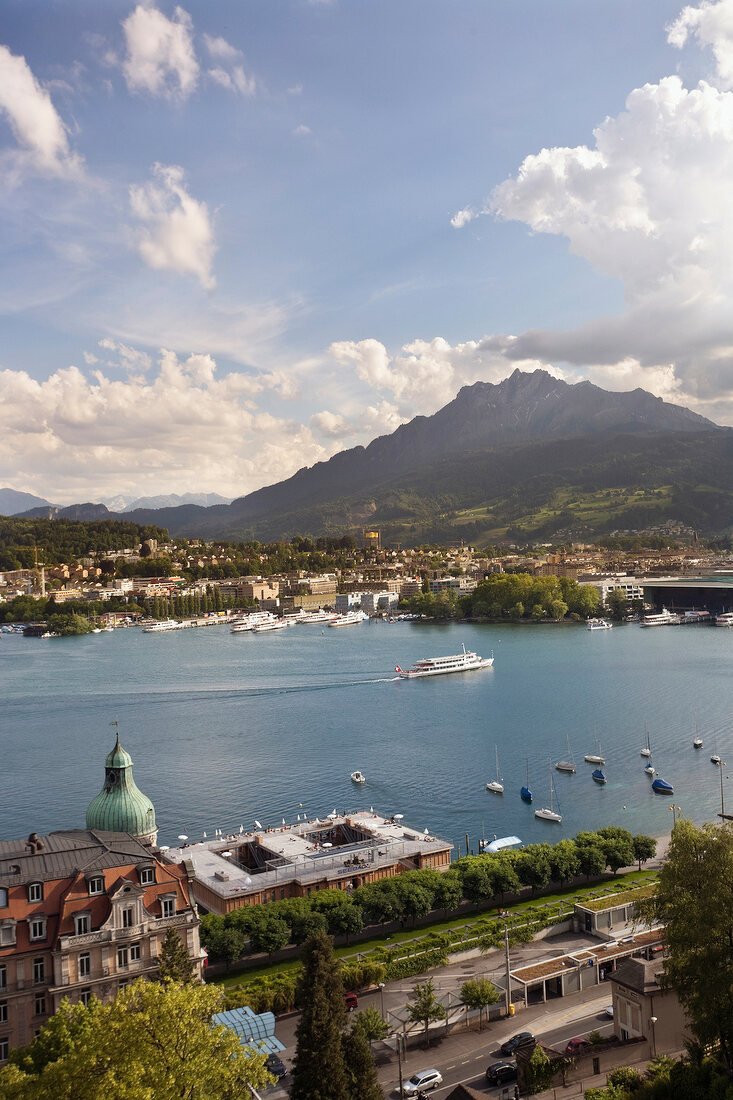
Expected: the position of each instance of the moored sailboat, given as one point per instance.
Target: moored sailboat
(496, 785)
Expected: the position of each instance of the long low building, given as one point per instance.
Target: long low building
(340, 852)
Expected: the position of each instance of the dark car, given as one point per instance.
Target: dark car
(351, 1000)
(578, 1045)
(275, 1066)
(521, 1039)
(500, 1072)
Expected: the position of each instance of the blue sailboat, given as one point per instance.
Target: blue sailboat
(599, 776)
(525, 791)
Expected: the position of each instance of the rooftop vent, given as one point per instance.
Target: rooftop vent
(223, 876)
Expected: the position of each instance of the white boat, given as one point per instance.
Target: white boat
(276, 624)
(595, 757)
(646, 751)
(466, 661)
(548, 813)
(695, 617)
(662, 618)
(598, 624)
(317, 618)
(496, 785)
(650, 769)
(357, 777)
(350, 618)
(249, 622)
(724, 619)
(158, 628)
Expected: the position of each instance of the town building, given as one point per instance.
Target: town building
(341, 852)
(84, 912)
(642, 1008)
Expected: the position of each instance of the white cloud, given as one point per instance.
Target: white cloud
(182, 427)
(462, 217)
(34, 121)
(711, 23)
(221, 49)
(161, 59)
(329, 424)
(132, 359)
(177, 233)
(302, 129)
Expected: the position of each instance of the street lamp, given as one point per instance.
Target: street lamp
(652, 1021)
(381, 997)
(675, 810)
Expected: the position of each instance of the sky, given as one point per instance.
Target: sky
(240, 237)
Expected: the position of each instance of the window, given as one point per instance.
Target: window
(81, 923)
(38, 928)
(95, 885)
(123, 984)
(84, 964)
(39, 970)
(3, 1012)
(3, 897)
(4, 1049)
(147, 876)
(35, 891)
(7, 934)
(122, 956)
(134, 952)
(3, 976)
(168, 907)
(128, 918)
(40, 1006)
(85, 996)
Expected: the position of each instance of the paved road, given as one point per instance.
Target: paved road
(464, 1055)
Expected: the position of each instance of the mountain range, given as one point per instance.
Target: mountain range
(529, 457)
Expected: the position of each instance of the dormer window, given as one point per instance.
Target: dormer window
(7, 933)
(37, 928)
(146, 875)
(168, 906)
(82, 923)
(95, 885)
(35, 891)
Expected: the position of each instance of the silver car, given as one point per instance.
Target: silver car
(423, 1081)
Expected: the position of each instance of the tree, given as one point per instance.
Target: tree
(617, 604)
(174, 960)
(645, 847)
(319, 1069)
(425, 1006)
(269, 934)
(372, 1023)
(694, 903)
(225, 943)
(153, 1040)
(360, 1067)
(479, 993)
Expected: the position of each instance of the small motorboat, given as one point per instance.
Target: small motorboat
(357, 777)
(697, 743)
(650, 769)
(715, 759)
(661, 786)
(599, 776)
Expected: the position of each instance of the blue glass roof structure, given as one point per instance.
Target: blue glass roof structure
(254, 1031)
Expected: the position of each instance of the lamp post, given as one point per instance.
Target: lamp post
(508, 998)
(653, 1021)
(381, 997)
(675, 810)
(723, 814)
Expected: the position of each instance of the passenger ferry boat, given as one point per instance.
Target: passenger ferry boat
(662, 618)
(317, 618)
(165, 624)
(350, 618)
(724, 619)
(249, 622)
(598, 624)
(436, 666)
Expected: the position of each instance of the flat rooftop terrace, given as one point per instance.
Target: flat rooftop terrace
(307, 852)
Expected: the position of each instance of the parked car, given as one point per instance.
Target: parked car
(275, 1066)
(500, 1072)
(576, 1046)
(423, 1081)
(521, 1039)
(609, 1010)
(351, 1000)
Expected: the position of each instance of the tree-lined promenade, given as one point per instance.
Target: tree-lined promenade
(517, 596)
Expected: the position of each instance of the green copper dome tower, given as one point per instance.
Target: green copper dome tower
(120, 807)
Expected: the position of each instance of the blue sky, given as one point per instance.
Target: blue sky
(242, 236)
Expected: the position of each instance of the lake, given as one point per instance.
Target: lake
(225, 728)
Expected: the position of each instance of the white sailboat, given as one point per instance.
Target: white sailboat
(549, 814)
(595, 757)
(566, 765)
(646, 751)
(496, 785)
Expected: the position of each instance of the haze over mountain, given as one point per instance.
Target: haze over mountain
(13, 502)
(531, 453)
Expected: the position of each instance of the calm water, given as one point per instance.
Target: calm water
(225, 728)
